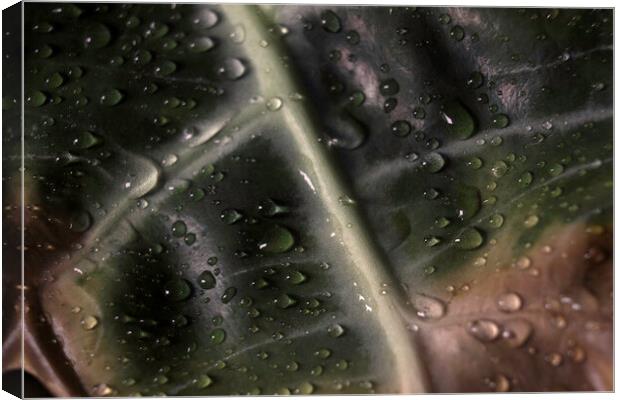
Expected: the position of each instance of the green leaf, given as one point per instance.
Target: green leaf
(298, 199)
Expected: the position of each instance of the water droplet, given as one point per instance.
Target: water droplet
(231, 69)
(330, 21)
(555, 169)
(496, 220)
(526, 178)
(80, 221)
(179, 229)
(460, 122)
(531, 221)
(270, 208)
(103, 390)
(217, 336)
(500, 121)
(323, 353)
(433, 162)
(357, 98)
(432, 241)
(89, 322)
(111, 97)
(177, 289)
(474, 163)
(469, 239)
(295, 277)
(516, 332)
(509, 302)
(555, 359)
(97, 36)
(484, 330)
(342, 364)
(206, 280)
(207, 19)
(274, 104)
(389, 87)
(467, 202)
(285, 301)
(238, 34)
(36, 98)
(335, 330)
(203, 381)
(169, 160)
(200, 44)
(276, 239)
(230, 216)
(164, 68)
(499, 169)
(54, 81)
(401, 128)
(457, 33)
(305, 388)
(475, 80)
(427, 307)
(228, 294)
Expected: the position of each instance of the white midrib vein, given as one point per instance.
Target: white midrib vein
(410, 376)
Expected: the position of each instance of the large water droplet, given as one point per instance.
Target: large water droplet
(484, 330)
(206, 280)
(179, 229)
(509, 302)
(86, 140)
(330, 21)
(97, 36)
(276, 239)
(231, 68)
(467, 202)
(460, 122)
(433, 162)
(200, 44)
(469, 239)
(428, 307)
(89, 322)
(177, 289)
(217, 336)
(389, 87)
(230, 216)
(111, 97)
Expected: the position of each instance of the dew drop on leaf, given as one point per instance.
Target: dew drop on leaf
(460, 122)
(231, 69)
(401, 128)
(86, 140)
(276, 239)
(90, 322)
(204, 381)
(457, 33)
(330, 21)
(177, 289)
(509, 302)
(484, 330)
(500, 121)
(111, 97)
(200, 44)
(389, 87)
(469, 239)
(427, 307)
(230, 216)
(179, 229)
(274, 104)
(335, 330)
(206, 280)
(217, 336)
(433, 162)
(475, 80)
(97, 36)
